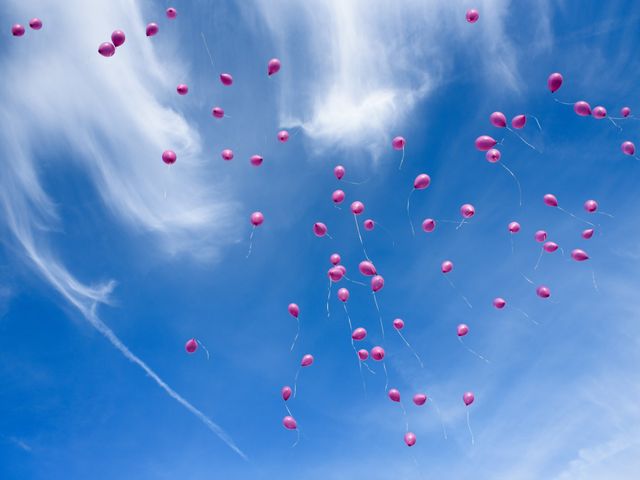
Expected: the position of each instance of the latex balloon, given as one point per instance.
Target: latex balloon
(485, 142)
(367, 268)
(283, 136)
(419, 399)
(599, 112)
(106, 49)
(289, 423)
(191, 345)
(152, 29)
(359, 334)
(398, 143)
(590, 206)
(117, 38)
(543, 292)
(467, 210)
(422, 181)
(493, 155)
(343, 294)
(446, 266)
(499, 303)
(337, 196)
(428, 225)
(294, 310)
(514, 227)
(227, 154)
(540, 236)
(369, 224)
(410, 437)
(550, 247)
(363, 354)
(587, 234)
(257, 218)
(17, 30)
(377, 282)
(336, 274)
(256, 160)
(472, 16)
(169, 157)
(171, 13)
(554, 82)
(394, 395)
(398, 324)
(339, 172)
(286, 393)
(217, 112)
(625, 112)
(628, 148)
(377, 353)
(462, 330)
(306, 360)
(550, 200)
(36, 24)
(498, 119)
(519, 121)
(357, 207)
(342, 269)
(579, 255)
(273, 66)
(182, 89)
(226, 79)
(582, 108)
(468, 398)
(335, 258)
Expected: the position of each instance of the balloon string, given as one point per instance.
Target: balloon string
(526, 315)
(469, 426)
(251, 241)
(329, 236)
(375, 300)
(401, 160)
(606, 214)
(444, 430)
(388, 233)
(386, 375)
(539, 258)
(355, 281)
(523, 140)
(410, 348)
(368, 367)
(355, 219)
(297, 438)
(537, 122)
(295, 339)
(295, 382)
(473, 351)
(329, 296)
(516, 179)
(413, 231)
(346, 311)
(527, 279)
(593, 277)
(615, 124)
(287, 407)
(207, 48)
(204, 348)
(462, 222)
(458, 291)
(564, 103)
(512, 245)
(574, 216)
(356, 183)
(404, 414)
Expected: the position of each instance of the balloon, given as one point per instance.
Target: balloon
(587, 234)
(550, 247)
(182, 89)
(518, 121)
(226, 79)
(554, 82)
(17, 30)
(599, 112)
(117, 38)
(446, 266)
(498, 119)
(422, 181)
(628, 148)
(343, 294)
(152, 29)
(342, 269)
(499, 303)
(359, 334)
(590, 206)
(191, 345)
(582, 108)
(485, 142)
(335, 258)
(336, 274)
(369, 224)
(337, 196)
(36, 24)
(363, 354)
(398, 143)
(169, 157)
(543, 292)
(377, 282)
(217, 112)
(273, 66)
(462, 330)
(227, 154)
(410, 437)
(357, 207)
(550, 200)
(171, 13)
(294, 310)
(256, 160)
(493, 155)
(283, 136)
(514, 227)
(579, 255)
(419, 399)
(320, 229)
(306, 360)
(106, 49)
(472, 16)
(398, 324)
(394, 395)
(377, 353)
(257, 218)
(625, 111)
(428, 225)
(339, 172)
(467, 210)
(367, 268)
(468, 398)
(286, 393)
(289, 423)
(540, 236)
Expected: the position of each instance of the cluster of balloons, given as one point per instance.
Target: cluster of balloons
(18, 30)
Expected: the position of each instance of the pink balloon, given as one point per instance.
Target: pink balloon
(599, 112)
(625, 111)
(377, 282)
(106, 49)
(377, 353)
(468, 398)
(339, 172)
(394, 395)
(467, 210)
(369, 224)
(337, 196)
(256, 160)
(319, 229)
(419, 399)
(342, 269)
(289, 423)
(191, 345)
(273, 66)
(286, 393)
(579, 255)
(306, 360)
(398, 143)
(359, 334)
(117, 38)
(519, 121)
(499, 303)
(171, 13)
(410, 437)
(294, 310)
(398, 324)
(554, 82)
(367, 268)
(357, 207)
(227, 154)
(462, 330)
(336, 274)
(543, 292)
(514, 227)
(472, 16)
(152, 29)
(540, 236)
(217, 112)
(493, 155)
(498, 119)
(343, 294)
(446, 266)
(169, 157)
(550, 247)
(485, 142)
(363, 354)
(257, 218)
(335, 258)
(36, 24)
(590, 206)
(587, 234)
(182, 89)
(428, 225)
(422, 181)
(550, 200)
(582, 108)
(226, 79)
(283, 136)
(628, 148)
(17, 30)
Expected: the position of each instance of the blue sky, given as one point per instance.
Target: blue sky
(94, 257)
